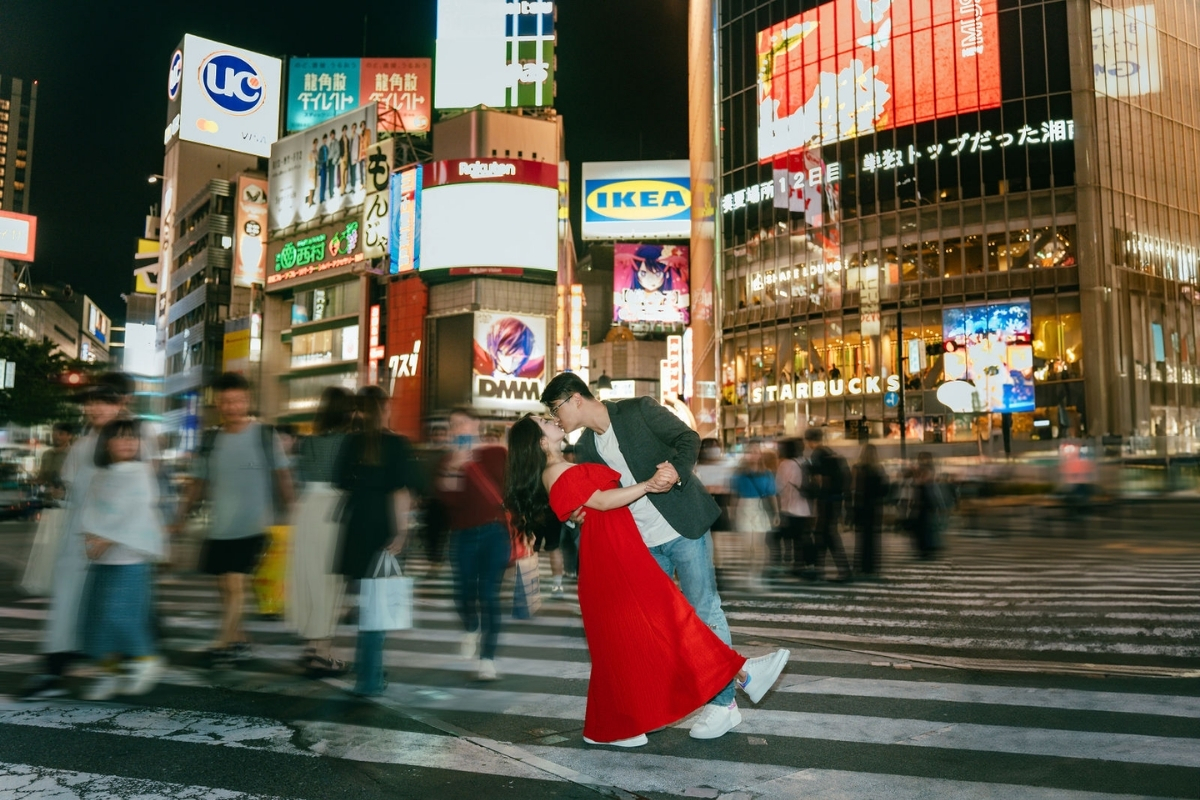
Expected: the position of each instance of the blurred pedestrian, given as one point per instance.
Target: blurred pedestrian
(830, 476)
(242, 470)
(49, 475)
(315, 589)
(123, 537)
(374, 469)
(870, 491)
(435, 519)
(471, 484)
(103, 401)
(930, 507)
(794, 547)
(756, 510)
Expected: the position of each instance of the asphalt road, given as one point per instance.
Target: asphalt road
(1018, 667)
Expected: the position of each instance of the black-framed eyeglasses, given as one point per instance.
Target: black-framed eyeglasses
(554, 409)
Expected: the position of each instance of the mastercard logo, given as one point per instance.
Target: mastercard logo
(207, 125)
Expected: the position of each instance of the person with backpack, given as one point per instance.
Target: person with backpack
(242, 470)
(829, 474)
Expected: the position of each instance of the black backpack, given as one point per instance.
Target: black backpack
(834, 472)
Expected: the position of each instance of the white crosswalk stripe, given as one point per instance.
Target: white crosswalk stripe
(843, 721)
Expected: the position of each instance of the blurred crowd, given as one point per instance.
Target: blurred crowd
(297, 525)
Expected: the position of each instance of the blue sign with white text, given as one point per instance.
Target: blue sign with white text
(320, 89)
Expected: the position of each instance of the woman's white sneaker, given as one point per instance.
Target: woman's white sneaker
(633, 741)
(103, 688)
(141, 675)
(762, 672)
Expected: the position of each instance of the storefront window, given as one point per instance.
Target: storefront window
(332, 301)
(304, 394)
(1057, 340)
(325, 347)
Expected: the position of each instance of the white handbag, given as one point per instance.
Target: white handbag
(385, 600)
(39, 569)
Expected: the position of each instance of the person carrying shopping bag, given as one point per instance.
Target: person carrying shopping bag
(374, 469)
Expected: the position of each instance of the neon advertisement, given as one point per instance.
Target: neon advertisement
(991, 347)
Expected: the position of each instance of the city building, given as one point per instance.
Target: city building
(93, 326)
(986, 219)
(18, 113)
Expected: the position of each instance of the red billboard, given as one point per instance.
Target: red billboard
(401, 87)
(18, 236)
(852, 67)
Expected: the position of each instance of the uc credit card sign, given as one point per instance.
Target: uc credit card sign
(642, 199)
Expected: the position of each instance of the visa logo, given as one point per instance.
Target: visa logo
(637, 199)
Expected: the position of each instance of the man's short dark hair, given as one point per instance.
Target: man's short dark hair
(231, 381)
(562, 386)
(791, 448)
(109, 387)
(814, 435)
(65, 427)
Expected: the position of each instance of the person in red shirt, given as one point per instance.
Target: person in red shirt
(471, 485)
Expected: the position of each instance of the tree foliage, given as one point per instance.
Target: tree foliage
(38, 396)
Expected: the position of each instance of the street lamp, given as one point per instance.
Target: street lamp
(155, 179)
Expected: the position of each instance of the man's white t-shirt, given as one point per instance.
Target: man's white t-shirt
(653, 526)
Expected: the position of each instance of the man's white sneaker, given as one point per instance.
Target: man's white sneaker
(487, 669)
(142, 674)
(762, 672)
(103, 688)
(470, 645)
(633, 741)
(716, 721)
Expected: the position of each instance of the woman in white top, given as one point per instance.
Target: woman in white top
(794, 549)
(123, 537)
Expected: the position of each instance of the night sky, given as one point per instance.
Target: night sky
(102, 101)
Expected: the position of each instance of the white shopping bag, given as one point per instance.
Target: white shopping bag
(385, 600)
(39, 569)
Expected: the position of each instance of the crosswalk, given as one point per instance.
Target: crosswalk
(1017, 668)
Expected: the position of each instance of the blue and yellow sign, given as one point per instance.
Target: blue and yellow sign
(637, 199)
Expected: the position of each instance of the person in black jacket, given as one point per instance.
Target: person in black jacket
(829, 479)
(870, 490)
(636, 438)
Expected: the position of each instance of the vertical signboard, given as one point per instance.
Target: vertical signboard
(674, 366)
(377, 219)
(405, 238)
(1125, 51)
(320, 89)
(868, 309)
(509, 363)
(402, 90)
(250, 224)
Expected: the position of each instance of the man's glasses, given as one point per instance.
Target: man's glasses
(554, 409)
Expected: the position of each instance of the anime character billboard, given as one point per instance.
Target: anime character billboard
(509, 361)
(650, 283)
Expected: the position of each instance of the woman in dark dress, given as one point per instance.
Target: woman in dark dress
(374, 470)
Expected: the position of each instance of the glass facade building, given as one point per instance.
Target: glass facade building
(997, 194)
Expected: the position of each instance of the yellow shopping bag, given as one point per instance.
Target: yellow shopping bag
(269, 579)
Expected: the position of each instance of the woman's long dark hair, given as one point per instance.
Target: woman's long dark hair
(369, 422)
(524, 494)
(334, 411)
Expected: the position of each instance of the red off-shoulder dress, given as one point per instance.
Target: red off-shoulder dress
(653, 660)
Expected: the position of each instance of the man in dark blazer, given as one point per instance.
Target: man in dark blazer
(636, 437)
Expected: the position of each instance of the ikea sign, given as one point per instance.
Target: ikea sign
(637, 199)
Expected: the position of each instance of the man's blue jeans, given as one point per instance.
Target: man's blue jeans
(368, 663)
(692, 561)
(480, 556)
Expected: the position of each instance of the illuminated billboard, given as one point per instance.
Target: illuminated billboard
(991, 347)
(508, 362)
(315, 252)
(223, 96)
(489, 217)
(402, 90)
(250, 232)
(322, 170)
(18, 236)
(494, 53)
(650, 283)
(1125, 51)
(851, 67)
(405, 249)
(320, 89)
(637, 200)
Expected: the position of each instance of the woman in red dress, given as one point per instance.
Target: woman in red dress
(654, 661)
